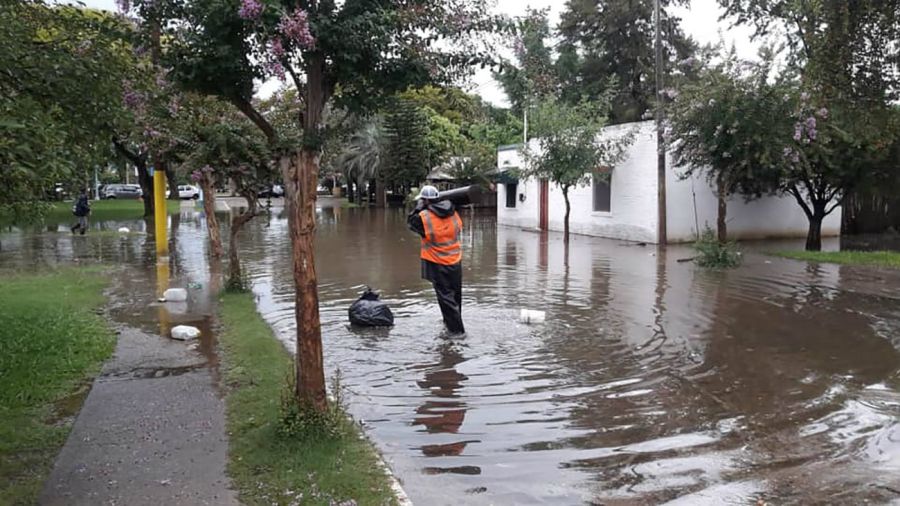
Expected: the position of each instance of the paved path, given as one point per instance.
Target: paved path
(152, 429)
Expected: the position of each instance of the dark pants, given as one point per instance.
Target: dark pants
(447, 281)
(81, 224)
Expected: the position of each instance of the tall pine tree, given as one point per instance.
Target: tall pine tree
(407, 158)
(614, 38)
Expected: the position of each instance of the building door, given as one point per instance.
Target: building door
(545, 205)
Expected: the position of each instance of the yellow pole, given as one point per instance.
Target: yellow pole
(159, 212)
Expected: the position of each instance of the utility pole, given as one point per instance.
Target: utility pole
(525, 127)
(660, 138)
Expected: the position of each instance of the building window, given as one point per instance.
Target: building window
(602, 186)
(511, 190)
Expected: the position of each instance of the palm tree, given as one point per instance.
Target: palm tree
(362, 157)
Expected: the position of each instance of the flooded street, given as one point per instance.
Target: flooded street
(651, 381)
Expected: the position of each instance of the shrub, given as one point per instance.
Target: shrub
(715, 255)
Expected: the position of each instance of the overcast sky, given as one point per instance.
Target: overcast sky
(700, 21)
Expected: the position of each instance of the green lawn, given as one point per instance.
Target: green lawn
(51, 344)
(108, 209)
(889, 259)
(266, 466)
(100, 210)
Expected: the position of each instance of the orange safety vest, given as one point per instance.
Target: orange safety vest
(441, 242)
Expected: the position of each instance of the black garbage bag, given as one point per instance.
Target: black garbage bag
(368, 311)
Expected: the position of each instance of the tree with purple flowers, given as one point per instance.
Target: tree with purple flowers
(353, 54)
(754, 134)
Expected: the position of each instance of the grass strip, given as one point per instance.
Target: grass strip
(890, 259)
(61, 212)
(52, 343)
(266, 466)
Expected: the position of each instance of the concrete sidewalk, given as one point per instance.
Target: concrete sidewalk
(152, 429)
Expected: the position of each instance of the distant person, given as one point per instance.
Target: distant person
(81, 210)
(439, 225)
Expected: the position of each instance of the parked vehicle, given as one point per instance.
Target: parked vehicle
(271, 192)
(186, 191)
(122, 191)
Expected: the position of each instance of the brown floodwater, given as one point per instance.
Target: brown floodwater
(651, 381)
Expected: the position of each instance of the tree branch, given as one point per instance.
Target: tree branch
(258, 119)
(133, 157)
(796, 193)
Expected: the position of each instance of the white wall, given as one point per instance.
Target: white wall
(766, 218)
(633, 213)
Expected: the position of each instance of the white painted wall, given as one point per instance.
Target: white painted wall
(766, 218)
(633, 214)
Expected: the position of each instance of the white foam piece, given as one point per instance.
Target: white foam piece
(175, 295)
(532, 316)
(185, 333)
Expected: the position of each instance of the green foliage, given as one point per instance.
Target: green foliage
(408, 151)
(300, 422)
(363, 154)
(532, 76)
(60, 97)
(614, 40)
(845, 48)
(570, 146)
(713, 254)
(733, 124)
(265, 466)
(51, 344)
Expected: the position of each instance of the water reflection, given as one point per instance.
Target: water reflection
(651, 381)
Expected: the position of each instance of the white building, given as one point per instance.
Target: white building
(625, 207)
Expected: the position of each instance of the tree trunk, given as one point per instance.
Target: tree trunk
(722, 214)
(172, 182)
(300, 172)
(814, 237)
(212, 222)
(146, 182)
(380, 195)
(565, 192)
(235, 276)
(361, 190)
(350, 190)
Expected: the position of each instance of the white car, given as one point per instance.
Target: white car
(186, 191)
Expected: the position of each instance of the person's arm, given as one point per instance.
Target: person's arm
(414, 221)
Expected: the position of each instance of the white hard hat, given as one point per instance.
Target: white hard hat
(428, 193)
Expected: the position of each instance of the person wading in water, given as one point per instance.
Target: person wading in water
(81, 210)
(437, 222)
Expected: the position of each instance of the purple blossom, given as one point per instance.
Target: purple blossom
(795, 157)
(812, 133)
(804, 96)
(250, 9)
(811, 123)
(174, 106)
(295, 27)
(123, 5)
(823, 113)
(798, 132)
(196, 176)
(275, 68)
(786, 152)
(161, 80)
(276, 48)
(671, 93)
